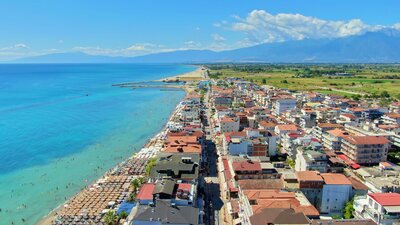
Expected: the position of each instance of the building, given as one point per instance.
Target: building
(271, 139)
(163, 212)
(344, 222)
(335, 193)
(182, 144)
(179, 166)
(383, 208)
(311, 160)
(284, 104)
(332, 139)
(365, 149)
(311, 184)
(283, 129)
(321, 128)
(257, 200)
(391, 118)
(247, 169)
(278, 217)
(229, 124)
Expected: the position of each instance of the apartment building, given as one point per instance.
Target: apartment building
(365, 149)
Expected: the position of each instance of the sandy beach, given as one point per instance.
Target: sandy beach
(198, 74)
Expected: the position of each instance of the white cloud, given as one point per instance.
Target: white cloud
(396, 26)
(15, 47)
(261, 26)
(192, 45)
(144, 47)
(218, 38)
(220, 24)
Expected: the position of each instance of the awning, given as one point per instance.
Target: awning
(392, 209)
(355, 166)
(348, 161)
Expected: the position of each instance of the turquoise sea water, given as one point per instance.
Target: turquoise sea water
(63, 126)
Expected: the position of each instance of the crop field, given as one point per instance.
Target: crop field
(364, 79)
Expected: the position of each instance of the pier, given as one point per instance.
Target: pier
(144, 85)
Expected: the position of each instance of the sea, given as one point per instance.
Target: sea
(62, 126)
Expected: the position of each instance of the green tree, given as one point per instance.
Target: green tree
(356, 97)
(110, 218)
(385, 94)
(123, 215)
(264, 81)
(149, 166)
(349, 209)
(291, 162)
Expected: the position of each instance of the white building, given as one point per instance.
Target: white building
(284, 104)
(238, 146)
(311, 160)
(383, 208)
(335, 193)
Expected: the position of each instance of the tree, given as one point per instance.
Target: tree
(110, 218)
(132, 197)
(349, 209)
(356, 97)
(264, 81)
(123, 215)
(385, 94)
(291, 162)
(149, 166)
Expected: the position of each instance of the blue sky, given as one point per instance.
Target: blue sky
(130, 28)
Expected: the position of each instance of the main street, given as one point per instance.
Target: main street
(213, 202)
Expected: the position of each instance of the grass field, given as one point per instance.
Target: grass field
(365, 80)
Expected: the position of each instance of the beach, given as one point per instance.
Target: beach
(113, 186)
(198, 74)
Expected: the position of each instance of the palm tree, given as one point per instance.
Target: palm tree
(110, 218)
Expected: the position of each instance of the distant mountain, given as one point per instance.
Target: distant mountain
(71, 57)
(373, 47)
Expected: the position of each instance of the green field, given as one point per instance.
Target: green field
(367, 79)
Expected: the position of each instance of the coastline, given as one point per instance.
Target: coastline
(196, 75)
(153, 144)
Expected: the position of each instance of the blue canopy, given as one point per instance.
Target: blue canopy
(126, 207)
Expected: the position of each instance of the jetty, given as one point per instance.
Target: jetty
(135, 85)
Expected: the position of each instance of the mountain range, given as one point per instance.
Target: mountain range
(372, 47)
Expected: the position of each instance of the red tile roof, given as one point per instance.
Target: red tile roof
(227, 120)
(278, 199)
(246, 166)
(146, 192)
(330, 125)
(366, 140)
(192, 148)
(286, 127)
(393, 115)
(267, 124)
(309, 176)
(335, 178)
(386, 199)
(338, 132)
(181, 140)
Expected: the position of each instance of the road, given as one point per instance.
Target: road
(213, 202)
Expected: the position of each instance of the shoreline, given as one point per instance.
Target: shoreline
(196, 75)
(151, 143)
